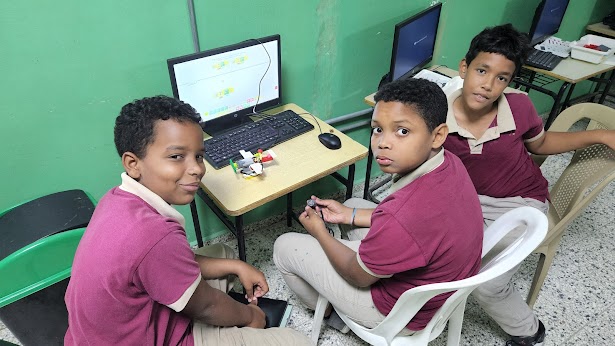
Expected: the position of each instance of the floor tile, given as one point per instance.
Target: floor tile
(599, 332)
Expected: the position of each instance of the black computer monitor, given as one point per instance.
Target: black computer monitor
(414, 42)
(227, 84)
(547, 20)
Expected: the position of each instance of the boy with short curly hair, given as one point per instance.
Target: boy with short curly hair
(135, 280)
(428, 230)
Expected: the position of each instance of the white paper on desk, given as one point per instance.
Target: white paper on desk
(610, 60)
(437, 78)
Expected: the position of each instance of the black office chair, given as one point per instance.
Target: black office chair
(38, 240)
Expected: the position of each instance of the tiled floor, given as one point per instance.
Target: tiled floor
(577, 301)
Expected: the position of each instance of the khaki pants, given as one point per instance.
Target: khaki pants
(308, 272)
(498, 297)
(209, 335)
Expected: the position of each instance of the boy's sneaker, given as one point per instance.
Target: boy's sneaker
(534, 340)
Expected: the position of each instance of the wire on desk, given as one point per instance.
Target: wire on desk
(258, 96)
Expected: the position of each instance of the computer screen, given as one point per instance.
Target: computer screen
(227, 84)
(547, 20)
(414, 42)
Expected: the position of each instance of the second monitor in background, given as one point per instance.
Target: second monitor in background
(546, 23)
(547, 20)
(413, 43)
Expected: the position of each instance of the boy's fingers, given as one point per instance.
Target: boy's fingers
(249, 293)
(303, 215)
(310, 212)
(258, 292)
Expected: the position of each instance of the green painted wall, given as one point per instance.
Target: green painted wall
(67, 68)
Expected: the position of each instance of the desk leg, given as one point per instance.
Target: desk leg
(241, 242)
(236, 229)
(596, 87)
(289, 209)
(556, 105)
(565, 104)
(607, 88)
(197, 224)
(350, 182)
(530, 81)
(368, 172)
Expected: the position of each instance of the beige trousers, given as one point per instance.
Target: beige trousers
(308, 272)
(498, 297)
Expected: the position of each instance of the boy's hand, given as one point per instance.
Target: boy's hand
(332, 211)
(312, 222)
(254, 282)
(258, 317)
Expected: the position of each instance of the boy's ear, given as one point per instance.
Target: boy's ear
(439, 136)
(130, 161)
(463, 68)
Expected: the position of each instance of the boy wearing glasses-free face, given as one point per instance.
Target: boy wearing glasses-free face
(428, 230)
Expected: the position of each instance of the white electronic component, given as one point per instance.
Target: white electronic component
(556, 46)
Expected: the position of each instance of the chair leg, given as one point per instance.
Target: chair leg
(542, 269)
(319, 315)
(455, 322)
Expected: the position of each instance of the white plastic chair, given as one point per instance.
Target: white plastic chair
(409, 303)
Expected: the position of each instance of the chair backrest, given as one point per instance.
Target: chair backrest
(411, 301)
(589, 170)
(33, 220)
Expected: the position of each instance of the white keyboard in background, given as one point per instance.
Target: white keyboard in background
(432, 76)
(555, 46)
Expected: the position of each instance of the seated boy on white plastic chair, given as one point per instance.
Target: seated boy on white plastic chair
(428, 230)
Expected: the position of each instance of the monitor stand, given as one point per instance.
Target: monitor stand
(225, 123)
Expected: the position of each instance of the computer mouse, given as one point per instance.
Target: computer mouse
(330, 140)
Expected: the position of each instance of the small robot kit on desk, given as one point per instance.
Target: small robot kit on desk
(252, 164)
(592, 48)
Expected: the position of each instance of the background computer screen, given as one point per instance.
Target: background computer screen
(225, 84)
(547, 20)
(414, 42)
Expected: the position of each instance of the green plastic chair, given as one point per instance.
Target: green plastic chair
(38, 240)
(38, 265)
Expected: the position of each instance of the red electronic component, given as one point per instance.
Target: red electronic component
(591, 46)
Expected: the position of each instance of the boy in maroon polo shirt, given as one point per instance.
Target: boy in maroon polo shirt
(135, 280)
(492, 133)
(428, 230)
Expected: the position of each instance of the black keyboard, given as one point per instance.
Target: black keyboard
(262, 134)
(543, 60)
